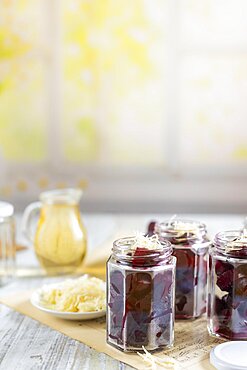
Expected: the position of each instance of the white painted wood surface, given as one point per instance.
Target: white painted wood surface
(26, 344)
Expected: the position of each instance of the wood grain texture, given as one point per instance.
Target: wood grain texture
(25, 344)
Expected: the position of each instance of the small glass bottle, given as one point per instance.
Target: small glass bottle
(140, 294)
(227, 288)
(190, 245)
(7, 243)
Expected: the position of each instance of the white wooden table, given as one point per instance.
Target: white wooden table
(26, 344)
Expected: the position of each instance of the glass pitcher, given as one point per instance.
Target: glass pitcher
(59, 240)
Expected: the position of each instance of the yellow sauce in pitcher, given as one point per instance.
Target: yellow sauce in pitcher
(60, 238)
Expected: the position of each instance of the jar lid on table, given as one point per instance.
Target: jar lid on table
(6, 209)
(230, 356)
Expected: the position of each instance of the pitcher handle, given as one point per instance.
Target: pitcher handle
(27, 219)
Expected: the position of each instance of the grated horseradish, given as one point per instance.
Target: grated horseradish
(155, 362)
(85, 294)
(148, 242)
(237, 243)
(181, 227)
(185, 227)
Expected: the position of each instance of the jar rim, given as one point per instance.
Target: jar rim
(128, 241)
(122, 249)
(231, 241)
(198, 224)
(168, 227)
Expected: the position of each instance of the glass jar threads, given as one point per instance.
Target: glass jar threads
(7, 242)
(190, 245)
(140, 294)
(227, 288)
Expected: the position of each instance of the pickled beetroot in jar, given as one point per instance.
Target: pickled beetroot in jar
(190, 246)
(227, 295)
(140, 294)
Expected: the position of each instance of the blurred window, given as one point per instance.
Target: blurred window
(136, 85)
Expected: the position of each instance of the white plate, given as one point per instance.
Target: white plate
(36, 302)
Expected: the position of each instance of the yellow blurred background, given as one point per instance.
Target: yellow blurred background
(141, 103)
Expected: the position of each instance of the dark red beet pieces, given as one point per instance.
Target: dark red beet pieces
(191, 271)
(191, 268)
(221, 267)
(144, 257)
(225, 281)
(147, 304)
(151, 227)
(230, 311)
(140, 304)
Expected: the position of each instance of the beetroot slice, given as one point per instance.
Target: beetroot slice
(148, 257)
(221, 267)
(225, 281)
(151, 227)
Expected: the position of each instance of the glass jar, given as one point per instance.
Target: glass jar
(190, 245)
(140, 295)
(7, 242)
(227, 288)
